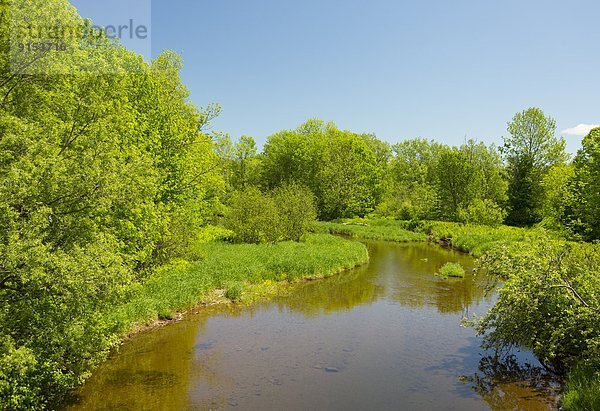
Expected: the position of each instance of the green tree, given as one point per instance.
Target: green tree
(349, 179)
(102, 159)
(529, 153)
(339, 167)
(296, 209)
(456, 182)
(246, 171)
(410, 184)
(587, 186)
(558, 198)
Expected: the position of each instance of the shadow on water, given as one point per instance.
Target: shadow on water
(383, 336)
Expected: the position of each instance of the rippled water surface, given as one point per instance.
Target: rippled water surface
(384, 336)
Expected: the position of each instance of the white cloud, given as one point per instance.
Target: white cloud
(580, 130)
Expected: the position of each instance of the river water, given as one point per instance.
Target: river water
(383, 336)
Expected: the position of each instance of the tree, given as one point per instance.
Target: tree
(488, 170)
(296, 209)
(529, 153)
(106, 171)
(350, 179)
(339, 167)
(456, 182)
(587, 185)
(558, 197)
(246, 171)
(410, 184)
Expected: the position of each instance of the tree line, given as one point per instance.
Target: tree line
(528, 180)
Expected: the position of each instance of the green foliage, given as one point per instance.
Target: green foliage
(344, 170)
(549, 302)
(105, 173)
(530, 151)
(16, 365)
(455, 185)
(558, 199)
(239, 162)
(285, 214)
(410, 187)
(482, 212)
(296, 210)
(453, 270)
(253, 217)
(432, 181)
(587, 186)
(372, 229)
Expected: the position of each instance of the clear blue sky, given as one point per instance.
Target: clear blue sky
(438, 69)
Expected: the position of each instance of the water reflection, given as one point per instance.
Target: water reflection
(383, 336)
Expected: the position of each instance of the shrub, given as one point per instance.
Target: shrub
(549, 302)
(253, 217)
(285, 214)
(484, 212)
(451, 270)
(296, 209)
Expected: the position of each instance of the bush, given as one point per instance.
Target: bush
(296, 209)
(549, 302)
(253, 217)
(484, 212)
(451, 270)
(285, 214)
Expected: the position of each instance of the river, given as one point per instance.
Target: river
(386, 335)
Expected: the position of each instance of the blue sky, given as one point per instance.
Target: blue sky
(438, 69)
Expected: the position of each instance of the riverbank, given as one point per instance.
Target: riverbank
(234, 272)
(211, 271)
(371, 229)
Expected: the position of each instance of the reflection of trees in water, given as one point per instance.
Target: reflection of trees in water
(405, 272)
(505, 383)
(150, 365)
(339, 293)
(414, 283)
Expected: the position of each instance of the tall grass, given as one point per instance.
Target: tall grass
(382, 229)
(183, 284)
(477, 240)
(582, 390)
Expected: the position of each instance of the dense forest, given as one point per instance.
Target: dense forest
(109, 174)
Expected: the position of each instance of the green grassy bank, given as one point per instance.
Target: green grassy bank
(371, 229)
(233, 268)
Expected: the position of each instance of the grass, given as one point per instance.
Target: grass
(380, 229)
(230, 268)
(454, 270)
(478, 240)
(582, 390)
